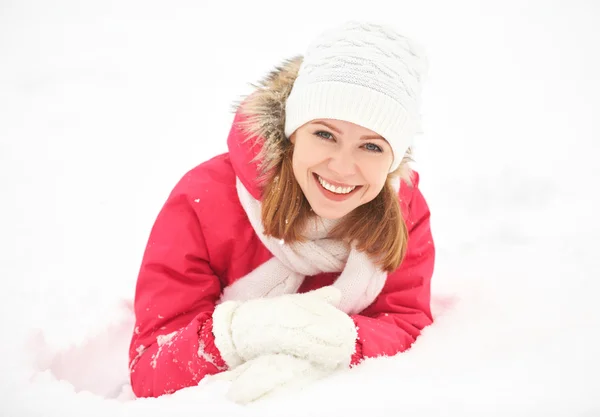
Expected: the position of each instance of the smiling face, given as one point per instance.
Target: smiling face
(339, 165)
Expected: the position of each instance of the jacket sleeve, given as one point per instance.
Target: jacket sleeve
(172, 345)
(395, 319)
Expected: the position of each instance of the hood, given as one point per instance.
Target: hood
(256, 139)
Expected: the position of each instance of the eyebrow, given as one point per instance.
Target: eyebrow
(365, 137)
(329, 126)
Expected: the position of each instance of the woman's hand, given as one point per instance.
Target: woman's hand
(307, 326)
(268, 374)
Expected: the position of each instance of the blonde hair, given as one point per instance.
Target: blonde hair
(376, 228)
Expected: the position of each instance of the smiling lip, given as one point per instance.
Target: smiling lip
(333, 196)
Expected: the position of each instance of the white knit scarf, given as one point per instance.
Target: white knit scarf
(360, 281)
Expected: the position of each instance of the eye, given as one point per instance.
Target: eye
(323, 134)
(371, 147)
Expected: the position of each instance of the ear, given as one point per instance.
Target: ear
(293, 138)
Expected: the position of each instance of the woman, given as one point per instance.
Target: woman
(307, 247)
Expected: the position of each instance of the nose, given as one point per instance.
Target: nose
(342, 163)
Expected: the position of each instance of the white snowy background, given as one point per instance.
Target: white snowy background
(104, 105)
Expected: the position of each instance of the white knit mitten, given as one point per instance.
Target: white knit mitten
(269, 374)
(306, 326)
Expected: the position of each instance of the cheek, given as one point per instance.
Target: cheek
(304, 157)
(376, 177)
(375, 172)
(377, 185)
(299, 166)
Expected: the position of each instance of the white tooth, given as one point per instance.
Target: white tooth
(333, 189)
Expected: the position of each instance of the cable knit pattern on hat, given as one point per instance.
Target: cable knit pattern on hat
(362, 73)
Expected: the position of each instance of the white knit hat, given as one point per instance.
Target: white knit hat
(365, 74)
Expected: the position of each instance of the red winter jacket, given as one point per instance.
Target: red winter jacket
(202, 241)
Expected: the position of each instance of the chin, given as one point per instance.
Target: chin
(330, 214)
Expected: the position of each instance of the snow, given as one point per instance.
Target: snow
(104, 105)
(207, 356)
(161, 340)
